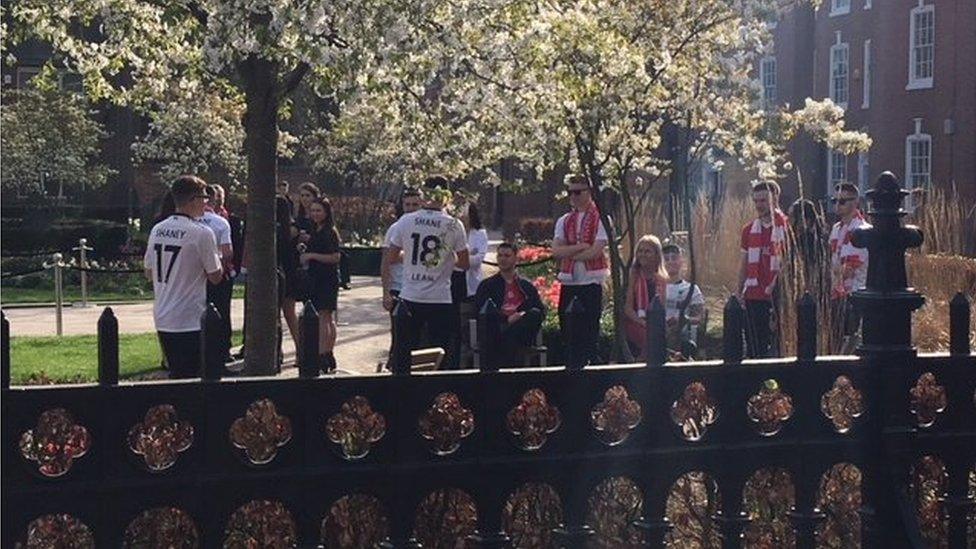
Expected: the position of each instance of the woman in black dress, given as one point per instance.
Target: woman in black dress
(321, 258)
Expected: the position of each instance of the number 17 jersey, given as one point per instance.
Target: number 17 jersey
(429, 240)
(180, 253)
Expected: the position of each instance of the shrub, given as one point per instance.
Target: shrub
(536, 229)
(362, 219)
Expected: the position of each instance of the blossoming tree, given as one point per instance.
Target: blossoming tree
(133, 52)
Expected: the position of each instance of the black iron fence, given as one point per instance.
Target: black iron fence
(875, 450)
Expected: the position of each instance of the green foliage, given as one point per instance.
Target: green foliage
(49, 141)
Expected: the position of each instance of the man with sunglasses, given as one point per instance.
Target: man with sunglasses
(848, 267)
(579, 243)
(181, 256)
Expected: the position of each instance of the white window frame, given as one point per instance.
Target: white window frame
(866, 76)
(910, 174)
(863, 171)
(764, 80)
(832, 157)
(916, 82)
(834, 50)
(840, 7)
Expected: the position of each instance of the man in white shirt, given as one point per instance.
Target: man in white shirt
(181, 256)
(684, 303)
(579, 243)
(432, 243)
(391, 268)
(220, 294)
(848, 267)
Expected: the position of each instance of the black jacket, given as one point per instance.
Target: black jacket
(493, 288)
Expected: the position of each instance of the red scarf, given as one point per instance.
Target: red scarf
(642, 300)
(753, 250)
(587, 234)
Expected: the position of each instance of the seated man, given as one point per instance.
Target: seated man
(520, 309)
(684, 306)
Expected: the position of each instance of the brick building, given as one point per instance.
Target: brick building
(905, 73)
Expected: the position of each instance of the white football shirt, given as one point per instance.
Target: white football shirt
(219, 226)
(429, 240)
(180, 253)
(396, 269)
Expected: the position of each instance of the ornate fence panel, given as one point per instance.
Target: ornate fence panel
(875, 450)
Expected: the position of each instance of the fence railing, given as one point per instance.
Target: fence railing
(874, 450)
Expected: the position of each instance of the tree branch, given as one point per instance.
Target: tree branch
(293, 79)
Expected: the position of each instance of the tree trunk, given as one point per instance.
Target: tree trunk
(261, 144)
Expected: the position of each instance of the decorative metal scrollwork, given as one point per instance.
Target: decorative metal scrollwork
(55, 443)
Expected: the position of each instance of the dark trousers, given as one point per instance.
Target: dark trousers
(441, 321)
(514, 337)
(220, 295)
(182, 352)
(845, 326)
(390, 355)
(590, 296)
(759, 335)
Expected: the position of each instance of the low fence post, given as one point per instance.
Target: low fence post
(657, 341)
(576, 357)
(732, 327)
(488, 329)
(308, 342)
(82, 250)
(806, 328)
(211, 355)
(959, 323)
(401, 350)
(108, 348)
(58, 292)
(4, 351)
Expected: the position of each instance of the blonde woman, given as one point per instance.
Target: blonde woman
(648, 279)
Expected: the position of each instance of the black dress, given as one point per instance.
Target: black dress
(323, 278)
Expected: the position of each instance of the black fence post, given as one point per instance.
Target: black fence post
(886, 306)
(657, 341)
(577, 353)
(488, 331)
(401, 350)
(211, 355)
(308, 342)
(959, 323)
(4, 351)
(108, 348)
(806, 328)
(732, 328)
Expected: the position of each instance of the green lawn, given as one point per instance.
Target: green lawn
(75, 358)
(10, 295)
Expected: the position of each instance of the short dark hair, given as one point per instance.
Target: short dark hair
(576, 179)
(213, 190)
(847, 187)
(187, 187)
(508, 245)
(437, 181)
(671, 248)
(474, 217)
(410, 191)
(767, 186)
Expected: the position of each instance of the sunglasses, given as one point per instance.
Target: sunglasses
(840, 201)
(577, 192)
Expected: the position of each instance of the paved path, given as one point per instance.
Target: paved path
(364, 332)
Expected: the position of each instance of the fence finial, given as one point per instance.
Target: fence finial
(401, 349)
(4, 351)
(959, 325)
(108, 348)
(887, 302)
(488, 329)
(657, 343)
(732, 328)
(308, 342)
(806, 328)
(577, 348)
(212, 359)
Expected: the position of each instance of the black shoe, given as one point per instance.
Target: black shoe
(327, 363)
